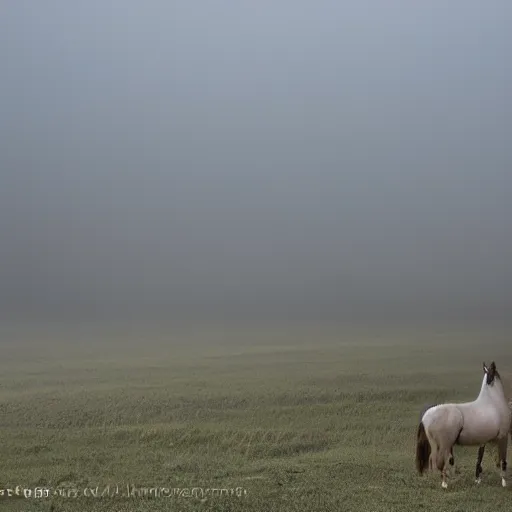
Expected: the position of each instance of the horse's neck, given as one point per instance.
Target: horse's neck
(483, 395)
(493, 393)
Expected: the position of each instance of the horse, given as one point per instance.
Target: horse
(487, 419)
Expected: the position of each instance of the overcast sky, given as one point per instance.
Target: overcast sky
(332, 160)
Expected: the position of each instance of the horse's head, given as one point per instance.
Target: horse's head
(492, 373)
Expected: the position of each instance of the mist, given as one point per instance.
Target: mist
(327, 161)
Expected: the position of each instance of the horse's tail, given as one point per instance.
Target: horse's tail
(422, 449)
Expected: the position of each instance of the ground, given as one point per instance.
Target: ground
(291, 419)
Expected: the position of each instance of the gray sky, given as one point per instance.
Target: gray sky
(333, 160)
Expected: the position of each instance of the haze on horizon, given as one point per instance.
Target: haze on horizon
(332, 161)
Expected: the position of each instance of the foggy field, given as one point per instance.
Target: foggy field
(239, 167)
(303, 420)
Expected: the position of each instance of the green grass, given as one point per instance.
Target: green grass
(296, 420)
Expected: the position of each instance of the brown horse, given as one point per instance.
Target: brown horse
(487, 419)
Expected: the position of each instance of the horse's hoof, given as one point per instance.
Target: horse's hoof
(478, 480)
(503, 483)
(444, 485)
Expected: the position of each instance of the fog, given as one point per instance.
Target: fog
(332, 161)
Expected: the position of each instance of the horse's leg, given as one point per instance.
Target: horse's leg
(444, 483)
(478, 469)
(433, 455)
(452, 461)
(443, 456)
(502, 451)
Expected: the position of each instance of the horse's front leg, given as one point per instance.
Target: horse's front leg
(502, 451)
(478, 470)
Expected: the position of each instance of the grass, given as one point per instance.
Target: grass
(290, 420)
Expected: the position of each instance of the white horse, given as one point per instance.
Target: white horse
(485, 420)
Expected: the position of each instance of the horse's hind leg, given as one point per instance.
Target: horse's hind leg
(452, 462)
(478, 470)
(502, 452)
(443, 456)
(444, 483)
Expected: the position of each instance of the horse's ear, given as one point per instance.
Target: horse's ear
(485, 368)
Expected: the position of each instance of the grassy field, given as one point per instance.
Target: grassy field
(290, 420)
